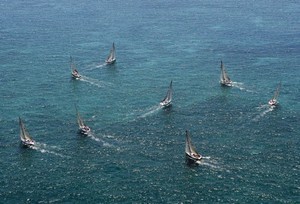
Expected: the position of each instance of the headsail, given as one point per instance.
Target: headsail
(83, 128)
(74, 70)
(224, 78)
(72, 64)
(24, 135)
(273, 102)
(79, 119)
(169, 94)
(189, 148)
(112, 55)
(276, 93)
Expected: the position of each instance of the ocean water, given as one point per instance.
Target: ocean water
(135, 153)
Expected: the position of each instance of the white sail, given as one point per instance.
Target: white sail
(72, 65)
(24, 135)
(112, 54)
(79, 120)
(224, 78)
(168, 98)
(276, 94)
(273, 102)
(74, 70)
(189, 148)
(83, 128)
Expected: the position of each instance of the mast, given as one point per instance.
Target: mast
(72, 65)
(225, 76)
(187, 143)
(24, 135)
(71, 61)
(170, 91)
(111, 52)
(276, 94)
(222, 77)
(22, 132)
(79, 119)
(189, 148)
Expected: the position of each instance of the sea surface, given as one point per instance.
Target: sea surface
(135, 153)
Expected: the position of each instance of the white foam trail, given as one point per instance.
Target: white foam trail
(151, 111)
(94, 82)
(99, 140)
(264, 112)
(261, 107)
(240, 86)
(48, 146)
(208, 164)
(204, 161)
(97, 66)
(39, 147)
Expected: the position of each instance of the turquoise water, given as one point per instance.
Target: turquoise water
(136, 151)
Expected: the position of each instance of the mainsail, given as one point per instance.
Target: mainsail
(276, 94)
(79, 120)
(189, 148)
(72, 65)
(112, 54)
(74, 70)
(224, 76)
(24, 135)
(169, 94)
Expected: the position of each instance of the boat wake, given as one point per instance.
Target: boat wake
(240, 86)
(94, 82)
(97, 66)
(205, 161)
(151, 111)
(264, 109)
(97, 139)
(44, 148)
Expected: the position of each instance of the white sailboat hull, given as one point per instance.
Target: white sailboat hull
(193, 159)
(76, 76)
(226, 83)
(165, 103)
(273, 102)
(28, 142)
(110, 61)
(85, 130)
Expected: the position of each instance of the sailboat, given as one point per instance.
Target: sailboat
(24, 135)
(224, 78)
(83, 128)
(192, 156)
(168, 98)
(273, 102)
(74, 71)
(112, 55)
